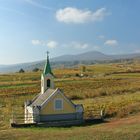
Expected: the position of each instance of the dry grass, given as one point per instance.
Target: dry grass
(120, 129)
(111, 86)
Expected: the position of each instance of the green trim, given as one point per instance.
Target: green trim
(47, 69)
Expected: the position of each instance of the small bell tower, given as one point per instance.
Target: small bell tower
(47, 78)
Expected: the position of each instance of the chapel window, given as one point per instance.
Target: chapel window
(48, 83)
(58, 104)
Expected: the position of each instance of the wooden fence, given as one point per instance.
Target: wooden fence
(90, 114)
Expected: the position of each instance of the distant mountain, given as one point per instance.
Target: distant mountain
(2, 66)
(26, 66)
(92, 56)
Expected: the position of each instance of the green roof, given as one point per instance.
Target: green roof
(47, 68)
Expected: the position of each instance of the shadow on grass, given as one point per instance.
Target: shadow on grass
(89, 122)
(86, 122)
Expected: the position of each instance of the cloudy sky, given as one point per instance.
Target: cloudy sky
(29, 28)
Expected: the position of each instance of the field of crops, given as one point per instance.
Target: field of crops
(115, 87)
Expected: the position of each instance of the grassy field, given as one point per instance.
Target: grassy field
(122, 129)
(115, 87)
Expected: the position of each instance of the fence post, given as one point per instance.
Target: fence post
(102, 113)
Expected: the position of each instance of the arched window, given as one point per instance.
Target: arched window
(48, 83)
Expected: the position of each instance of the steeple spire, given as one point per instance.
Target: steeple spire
(47, 68)
(47, 77)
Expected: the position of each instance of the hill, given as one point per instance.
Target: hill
(86, 58)
(94, 55)
(113, 86)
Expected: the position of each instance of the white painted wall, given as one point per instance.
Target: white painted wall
(44, 79)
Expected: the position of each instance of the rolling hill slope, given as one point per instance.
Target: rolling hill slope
(93, 56)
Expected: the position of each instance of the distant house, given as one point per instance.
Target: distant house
(51, 104)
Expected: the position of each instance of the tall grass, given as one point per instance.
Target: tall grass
(102, 86)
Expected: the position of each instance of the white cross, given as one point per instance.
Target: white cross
(47, 53)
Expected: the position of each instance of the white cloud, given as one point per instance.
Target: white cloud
(74, 15)
(101, 37)
(75, 45)
(111, 43)
(36, 42)
(50, 44)
(79, 45)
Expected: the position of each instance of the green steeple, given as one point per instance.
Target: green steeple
(47, 68)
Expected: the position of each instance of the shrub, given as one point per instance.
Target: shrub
(77, 75)
(75, 97)
(21, 71)
(35, 69)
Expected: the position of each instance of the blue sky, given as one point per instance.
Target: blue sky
(29, 28)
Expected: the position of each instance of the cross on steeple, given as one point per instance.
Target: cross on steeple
(47, 54)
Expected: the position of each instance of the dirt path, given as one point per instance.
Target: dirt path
(135, 119)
